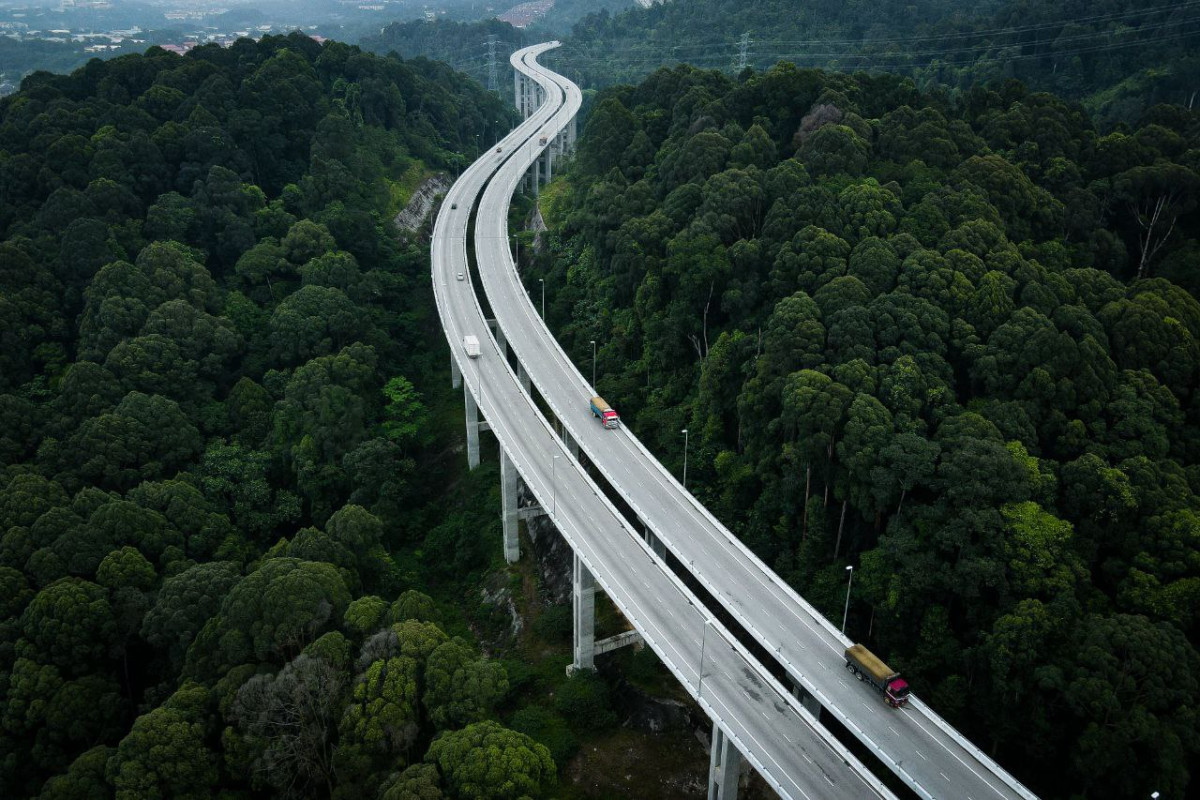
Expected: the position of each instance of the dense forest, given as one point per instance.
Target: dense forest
(231, 560)
(953, 342)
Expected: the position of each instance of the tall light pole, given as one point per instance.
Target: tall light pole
(700, 682)
(684, 432)
(593, 341)
(554, 485)
(849, 583)
(542, 281)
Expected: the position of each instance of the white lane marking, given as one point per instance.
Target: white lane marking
(943, 775)
(982, 778)
(918, 752)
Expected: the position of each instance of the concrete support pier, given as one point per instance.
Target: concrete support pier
(811, 704)
(472, 427)
(508, 508)
(656, 545)
(455, 373)
(501, 342)
(724, 767)
(584, 601)
(523, 377)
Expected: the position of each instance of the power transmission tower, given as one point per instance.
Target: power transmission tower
(739, 63)
(491, 63)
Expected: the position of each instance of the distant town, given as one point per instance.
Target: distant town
(63, 35)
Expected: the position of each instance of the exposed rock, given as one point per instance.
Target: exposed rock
(422, 202)
(552, 552)
(497, 593)
(537, 224)
(642, 712)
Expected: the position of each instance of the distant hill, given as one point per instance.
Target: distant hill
(1119, 57)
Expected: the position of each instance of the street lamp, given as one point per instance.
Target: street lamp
(684, 432)
(849, 582)
(700, 682)
(593, 341)
(554, 485)
(542, 281)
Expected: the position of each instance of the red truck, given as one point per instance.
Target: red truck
(605, 413)
(866, 666)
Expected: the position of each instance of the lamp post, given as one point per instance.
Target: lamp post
(542, 281)
(849, 583)
(593, 341)
(554, 485)
(700, 682)
(684, 432)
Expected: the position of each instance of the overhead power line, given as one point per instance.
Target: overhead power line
(1004, 31)
(1091, 42)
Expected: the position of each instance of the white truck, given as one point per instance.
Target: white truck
(471, 345)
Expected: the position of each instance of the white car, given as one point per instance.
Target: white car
(461, 276)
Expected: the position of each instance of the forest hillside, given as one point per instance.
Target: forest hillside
(954, 343)
(232, 557)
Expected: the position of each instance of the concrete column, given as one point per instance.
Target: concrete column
(656, 545)
(501, 342)
(455, 373)
(517, 90)
(724, 765)
(534, 177)
(811, 704)
(472, 428)
(549, 156)
(572, 445)
(508, 513)
(523, 376)
(584, 602)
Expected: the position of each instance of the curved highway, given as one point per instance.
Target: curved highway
(793, 752)
(915, 743)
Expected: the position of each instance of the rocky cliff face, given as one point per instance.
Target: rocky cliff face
(553, 555)
(414, 215)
